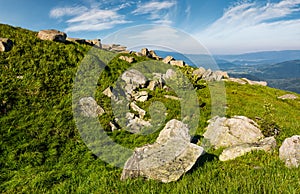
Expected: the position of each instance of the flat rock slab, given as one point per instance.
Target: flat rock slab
(167, 159)
(267, 145)
(226, 132)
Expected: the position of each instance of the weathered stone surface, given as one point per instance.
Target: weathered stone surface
(5, 44)
(168, 59)
(145, 52)
(172, 97)
(289, 152)
(167, 159)
(267, 145)
(288, 96)
(76, 40)
(225, 132)
(250, 82)
(128, 59)
(95, 42)
(89, 107)
(198, 73)
(53, 35)
(138, 109)
(178, 63)
(154, 55)
(152, 85)
(237, 80)
(113, 126)
(170, 74)
(108, 92)
(136, 125)
(134, 79)
(141, 96)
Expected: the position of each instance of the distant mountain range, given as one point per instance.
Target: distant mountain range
(281, 69)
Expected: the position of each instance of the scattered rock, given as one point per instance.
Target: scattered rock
(267, 145)
(5, 44)
(178, 63)
(113, 126)
(225, 132)
(152, 85)
(128, 59)
(134, 79)
(141, 96)
(108, 92)
(53, 35)
(95, 42)
(136, 125)
(168, 59)
(90, 108)
(237, 80)
(247, 81)
(136, 108)
(167, 159)
(289, 152)
(172, 97)
(288, 96)
(76, 40)
(153, 55)
(170, 74)
(198, 73)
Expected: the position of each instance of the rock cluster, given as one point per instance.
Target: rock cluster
(5, 44)
(167, 159)
(238, 135)
(247, 81)
(209, 75)
(288, 97)
(52, 35)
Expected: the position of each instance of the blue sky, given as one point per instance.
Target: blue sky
(223, 27)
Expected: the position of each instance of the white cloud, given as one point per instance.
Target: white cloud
(89, 19)
(250, 26)
(156, 10)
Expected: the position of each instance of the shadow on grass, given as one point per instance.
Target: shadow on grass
(207, 157)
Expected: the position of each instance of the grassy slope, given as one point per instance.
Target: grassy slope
(41, 149)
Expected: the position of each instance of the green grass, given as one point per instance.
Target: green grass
(42, 150)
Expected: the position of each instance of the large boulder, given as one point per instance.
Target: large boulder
(90, 108)
(226, 132)
(171, 156)
(198, 73)
(179, 63)
(268, 144)
(289, 151)
(5, 44)
(53, 35)
(168, 59)
(133, 79)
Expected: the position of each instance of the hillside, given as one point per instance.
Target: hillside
(42, 150)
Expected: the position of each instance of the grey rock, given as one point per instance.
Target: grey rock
(53, 35)
(172, 97)
(225, 132)
(289, 152)
(136, 108)
(288, 96)
(90, 108)
(198, 73)
(170, 74)
(141, 96)
(134, 77)
(153, 84)
(136, 125)
(179, 63)
(267, 145)
(171, 156)
(5, 44)
(168, 59)
(128, 59)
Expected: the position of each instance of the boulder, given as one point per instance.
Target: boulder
(108, 92)
(95, 42)
(198, 73)
(76, 40)
(171, 156)
(226, 132)
(5, 44)
(289, 152)
(168, 59)
(288, 96)
(136, 108)
(237, 80)
(53, 35)
(170, 74)
(133, 79)
(153, 84)
(154, 55)
(90, 108)
(128, 59)
(267, 145)
(178, 63)
(145, 52)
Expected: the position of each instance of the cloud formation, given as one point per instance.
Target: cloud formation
(247, 26)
